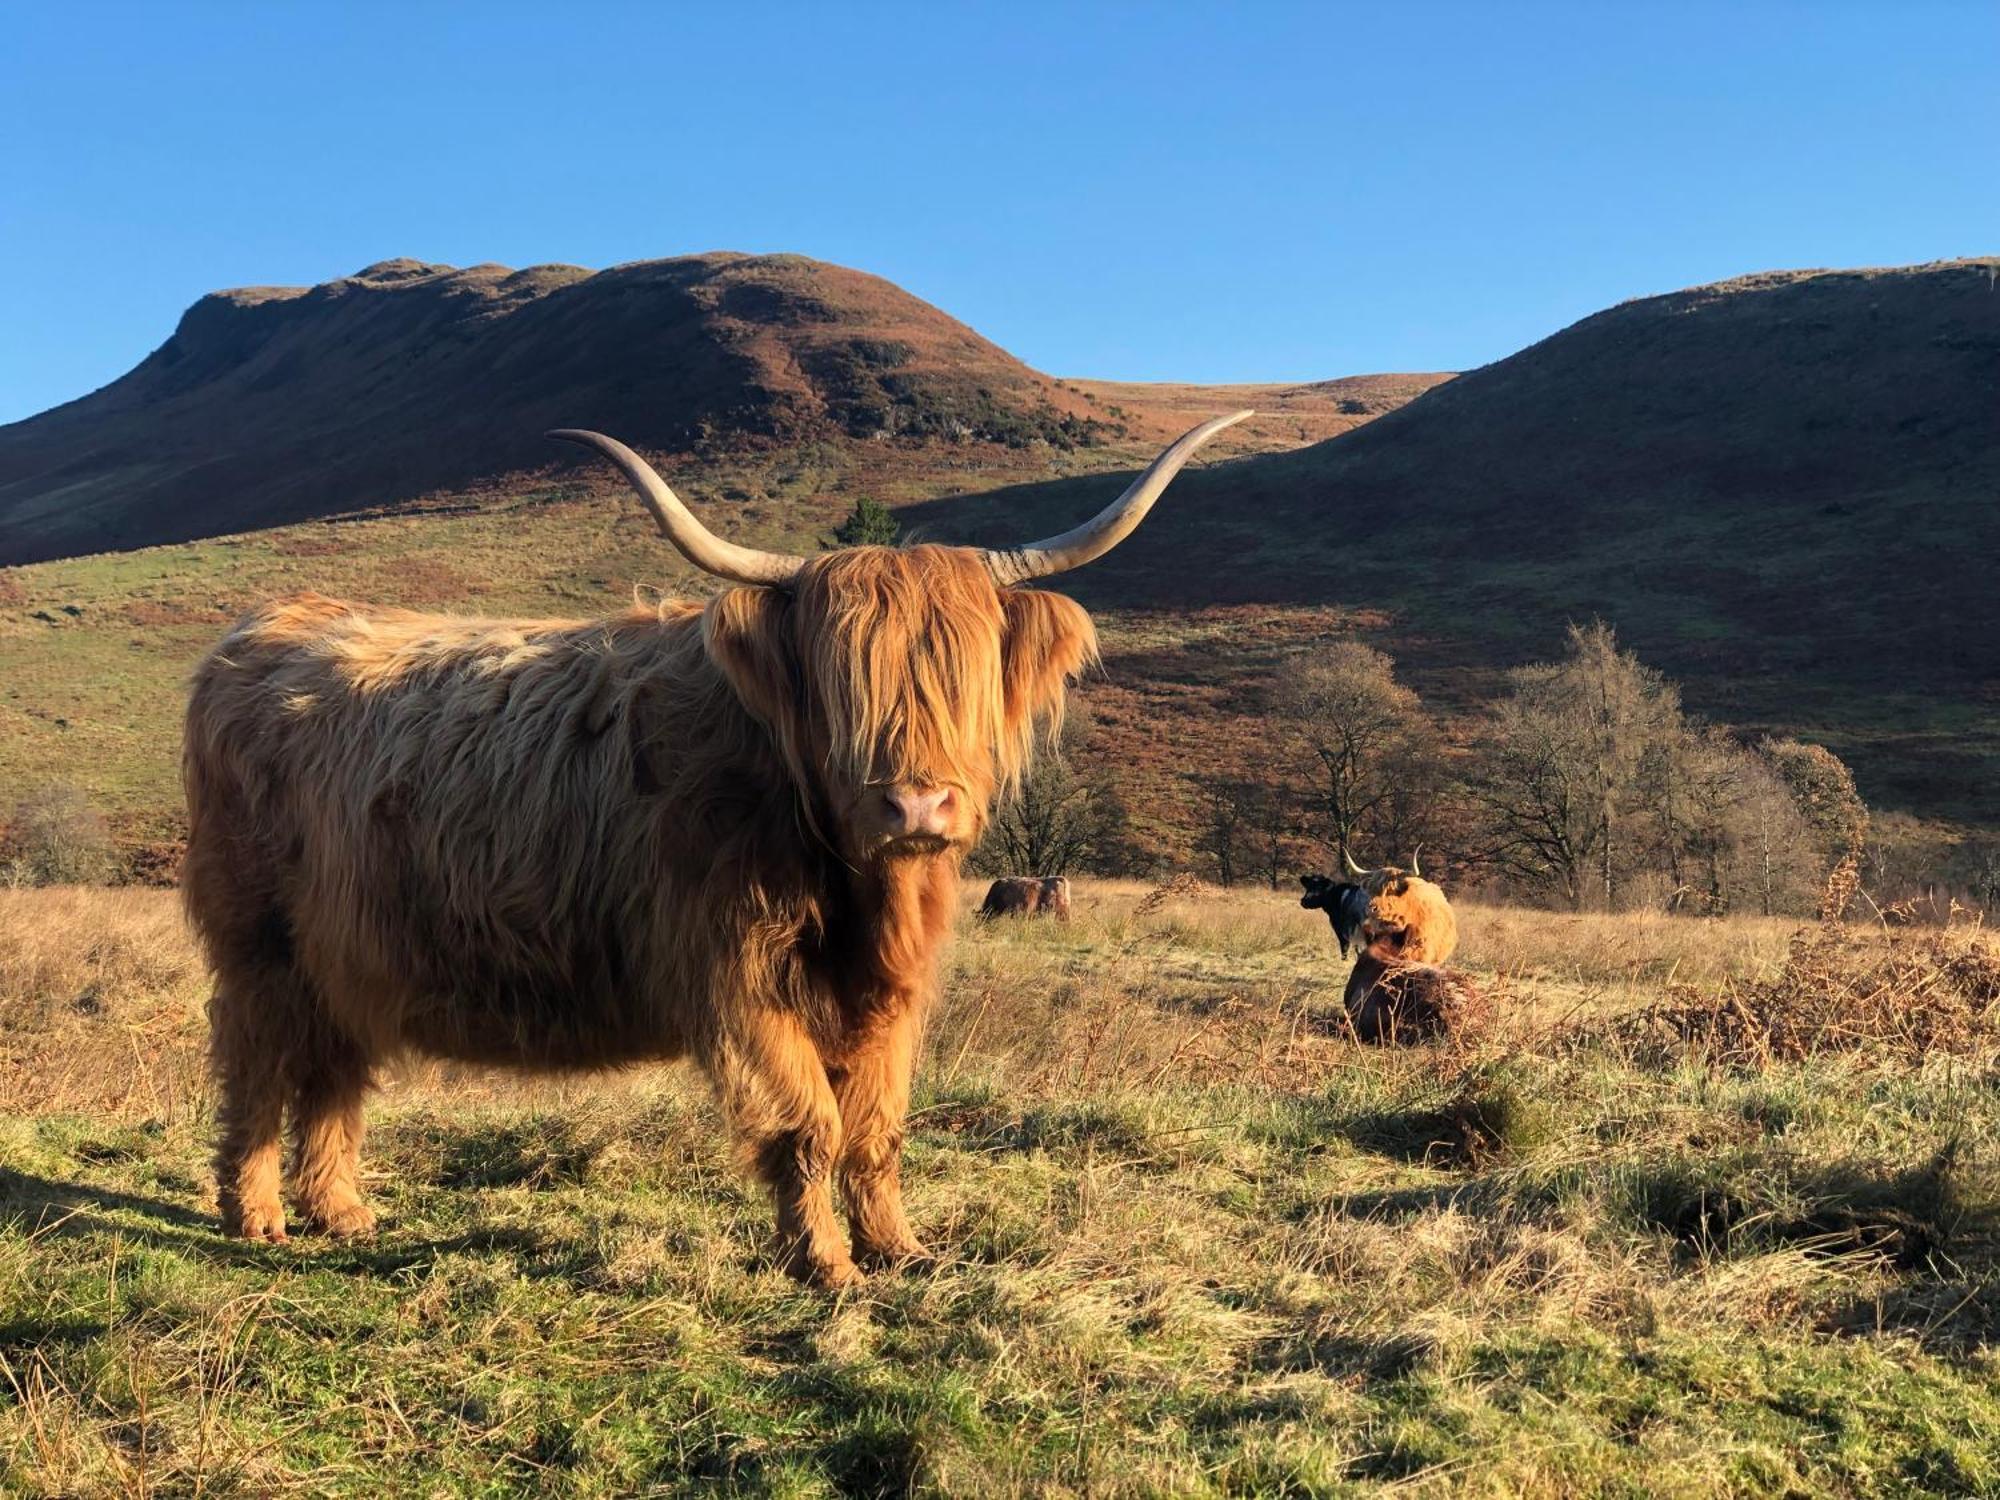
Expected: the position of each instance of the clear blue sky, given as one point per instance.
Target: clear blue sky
(1194, 191)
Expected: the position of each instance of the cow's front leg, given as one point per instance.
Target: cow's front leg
(775, 1092)
(873, 1086)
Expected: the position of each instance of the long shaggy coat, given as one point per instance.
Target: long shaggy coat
(1408, 919)
(564, 844)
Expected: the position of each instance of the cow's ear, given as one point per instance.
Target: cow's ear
(746, 634)
(1049, 639)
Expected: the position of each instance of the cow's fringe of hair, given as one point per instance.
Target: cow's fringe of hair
(914, 655)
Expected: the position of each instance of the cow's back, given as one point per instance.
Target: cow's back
(1012, 895)
(442, 824)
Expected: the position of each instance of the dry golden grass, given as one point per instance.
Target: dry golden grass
(101, 993)
(1195, 1239)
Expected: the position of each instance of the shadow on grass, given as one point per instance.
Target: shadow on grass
(1391, 1205)
(26, 1334)
(1490, 1116)
(36, 1207)
(1953, 1317)
(36, 1203)
(1346, 1356)
(1911, 1217)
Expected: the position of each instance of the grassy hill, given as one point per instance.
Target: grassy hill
(276, 404)
(1779, 489)
(1784, 490)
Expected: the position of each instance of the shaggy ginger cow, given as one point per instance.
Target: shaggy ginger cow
(729, 832)
(1399, 990)
(1407, 919)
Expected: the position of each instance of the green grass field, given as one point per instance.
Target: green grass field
(1194, 1240)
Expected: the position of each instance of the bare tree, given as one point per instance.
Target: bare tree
(1246, 823)
(1823, 788)
(1228, 817)
(1377, 754)
(1563, 784)
(1727, 828)
(56, 837)
(1064, 818)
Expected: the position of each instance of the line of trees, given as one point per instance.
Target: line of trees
(1596, 788)
(1585, 785)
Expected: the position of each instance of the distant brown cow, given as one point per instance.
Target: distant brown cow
(1027, 896)
(731, 832)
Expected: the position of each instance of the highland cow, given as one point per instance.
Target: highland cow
(1407, 919)
(1399, 1003)
(1027, 896)
(731, 833)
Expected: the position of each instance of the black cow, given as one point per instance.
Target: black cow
(1345, 905)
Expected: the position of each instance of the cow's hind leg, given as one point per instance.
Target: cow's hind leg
(332, 1077)
(874, 1093)
(249, 1051)
(775, 1091)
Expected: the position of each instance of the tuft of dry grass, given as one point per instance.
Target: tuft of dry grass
(101, 993)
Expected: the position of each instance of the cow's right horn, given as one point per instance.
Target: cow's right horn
(1110, 526)
(677, 524)
(1352, 867)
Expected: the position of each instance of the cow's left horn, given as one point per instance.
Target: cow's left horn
(677, 524)
(1110, 526)
(1413, 862)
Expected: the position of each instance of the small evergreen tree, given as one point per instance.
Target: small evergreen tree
(869, 524)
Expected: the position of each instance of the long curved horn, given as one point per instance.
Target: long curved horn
(1110, 526)
(677, 524)
(1352, 867)
(1419, 874)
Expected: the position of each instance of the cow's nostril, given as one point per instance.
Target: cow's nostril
(919, 810)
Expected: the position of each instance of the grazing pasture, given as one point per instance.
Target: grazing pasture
(1196, 1238)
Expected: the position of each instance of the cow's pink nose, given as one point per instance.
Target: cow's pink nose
(920, 810)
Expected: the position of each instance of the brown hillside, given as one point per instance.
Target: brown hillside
(272, 404)
(276, 404)
(1783, 489)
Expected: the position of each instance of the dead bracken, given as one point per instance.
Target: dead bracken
(1913, 995)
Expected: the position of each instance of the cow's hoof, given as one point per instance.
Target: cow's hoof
(906, 1256)
(827, 1273)
(264, 1224)
(352, 1222)
(836, 1276)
